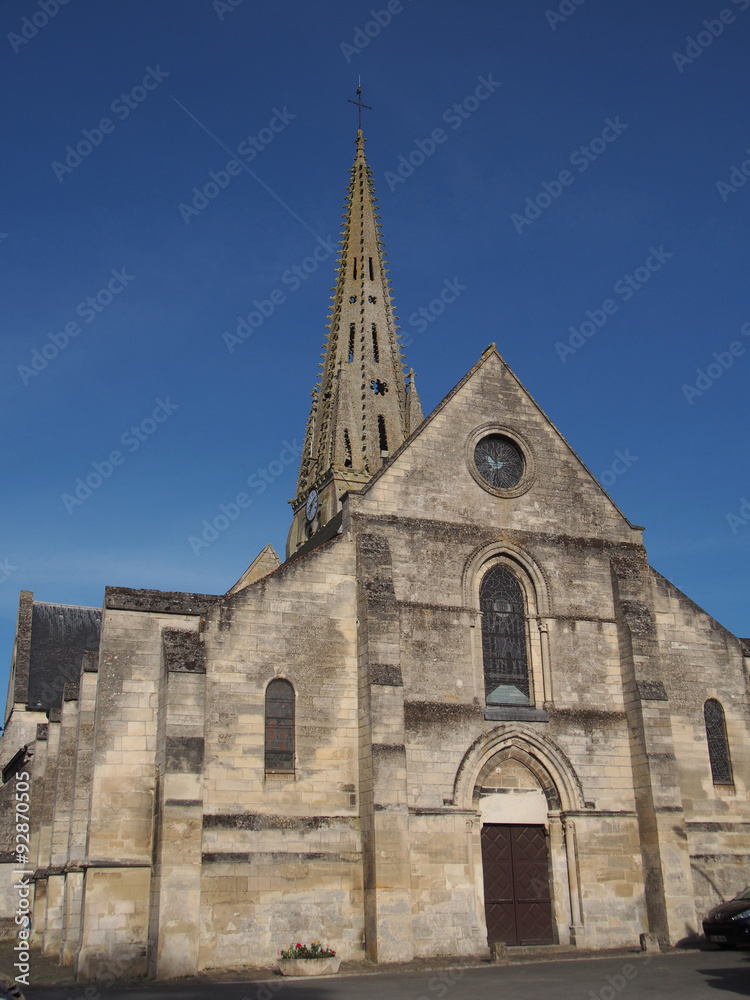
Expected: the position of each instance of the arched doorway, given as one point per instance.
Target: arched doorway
(523, 790)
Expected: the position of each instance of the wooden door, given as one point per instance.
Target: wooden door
(517, 902)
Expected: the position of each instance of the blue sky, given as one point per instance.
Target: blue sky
(582, 174)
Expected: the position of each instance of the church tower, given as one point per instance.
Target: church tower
(363, 408)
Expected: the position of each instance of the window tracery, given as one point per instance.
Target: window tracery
(506, 670)
(718, 744)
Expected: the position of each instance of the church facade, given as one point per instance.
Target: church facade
(464, 709)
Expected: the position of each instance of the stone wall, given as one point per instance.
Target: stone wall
(701, 661)
(124, 773)
(282, 851)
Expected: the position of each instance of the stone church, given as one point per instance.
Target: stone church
(464, 709)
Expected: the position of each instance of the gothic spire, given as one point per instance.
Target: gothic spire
(360, 411)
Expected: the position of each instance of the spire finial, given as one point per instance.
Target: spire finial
(358, 103)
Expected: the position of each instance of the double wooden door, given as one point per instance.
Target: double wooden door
(517, 902)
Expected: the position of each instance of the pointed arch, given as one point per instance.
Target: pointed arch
(511, 647)
(511, 554)
(551, 767)
(505, 657)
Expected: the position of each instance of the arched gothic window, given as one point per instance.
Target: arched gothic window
(718, 744)
(279, 726)
(506, 670)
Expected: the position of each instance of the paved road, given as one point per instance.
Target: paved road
(706, 975)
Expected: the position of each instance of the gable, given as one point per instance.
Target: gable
(431, 476)
(264, 563)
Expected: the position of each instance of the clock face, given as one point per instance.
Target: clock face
(311, 507)
(499, 462)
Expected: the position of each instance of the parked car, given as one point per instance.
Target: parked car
(728, 924)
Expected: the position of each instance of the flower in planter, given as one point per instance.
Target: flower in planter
(315, 950)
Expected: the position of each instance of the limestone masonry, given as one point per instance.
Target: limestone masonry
(464, 710)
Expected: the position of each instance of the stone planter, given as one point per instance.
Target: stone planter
(309, 966)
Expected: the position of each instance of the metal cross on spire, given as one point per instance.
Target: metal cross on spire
(358, 103)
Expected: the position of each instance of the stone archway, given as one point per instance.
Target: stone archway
(523, 789)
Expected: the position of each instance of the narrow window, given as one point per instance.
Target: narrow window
(506, 671)
(718, 744)
(354, 273)
(375, 351)
(347, 451)
(279, 726)
(383, 435)
(371, 274)
(351, 342)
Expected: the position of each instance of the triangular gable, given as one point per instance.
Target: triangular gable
(264, 563)
(490, 393)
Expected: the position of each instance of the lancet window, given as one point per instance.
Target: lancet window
(718, 744)
(506, 669)
(279, 726)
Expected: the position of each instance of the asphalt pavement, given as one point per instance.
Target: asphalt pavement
(690, 975)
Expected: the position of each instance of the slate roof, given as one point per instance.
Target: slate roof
(60, 633)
